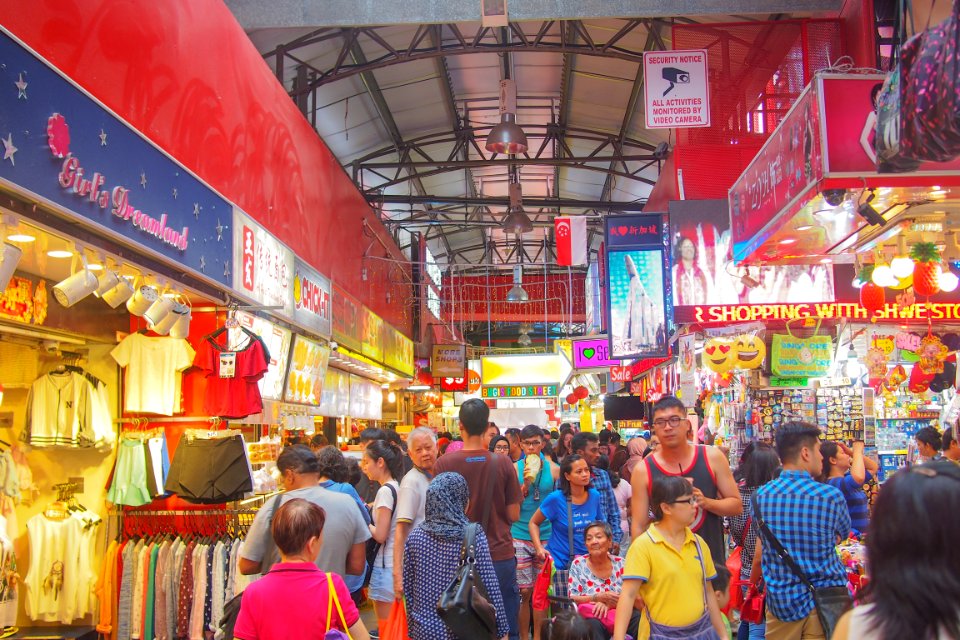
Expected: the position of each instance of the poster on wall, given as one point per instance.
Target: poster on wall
(372, 335)
(688, 368)
(264, 265)
(335, 395)
(308, 368)
(347, 325)
(703, 272)
(639, 301)
(277, 339)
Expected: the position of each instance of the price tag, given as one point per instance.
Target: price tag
(228, 364)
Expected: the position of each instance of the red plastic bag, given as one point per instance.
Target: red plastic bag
(396, 626)
(541, 587)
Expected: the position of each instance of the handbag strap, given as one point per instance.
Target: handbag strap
(816, 331)
(334, 601)
(703, 569)
(468, 553)
(570, 526)
(393, 515)
(778, 546)
(746, 530)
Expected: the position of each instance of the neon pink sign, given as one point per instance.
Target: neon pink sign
(594, 352)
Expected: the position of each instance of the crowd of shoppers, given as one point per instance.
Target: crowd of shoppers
(637, 550)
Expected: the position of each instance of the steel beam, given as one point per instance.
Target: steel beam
(256, 14)
(533, 203)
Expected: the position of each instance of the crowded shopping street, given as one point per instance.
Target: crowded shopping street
(483, 320)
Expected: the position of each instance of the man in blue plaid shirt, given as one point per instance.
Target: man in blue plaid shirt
(808, 517)
(587, 444)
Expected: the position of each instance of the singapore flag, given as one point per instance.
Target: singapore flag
(571, 234)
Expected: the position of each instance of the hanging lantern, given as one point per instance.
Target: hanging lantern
(581, 392)
(872, 296)
(572, 399)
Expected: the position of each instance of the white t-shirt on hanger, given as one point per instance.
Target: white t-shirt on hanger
(153, 372)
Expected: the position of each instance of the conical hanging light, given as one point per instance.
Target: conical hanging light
(507, 137)
(517, 293)
(516, 221)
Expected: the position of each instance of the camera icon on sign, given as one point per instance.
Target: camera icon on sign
(674, 76)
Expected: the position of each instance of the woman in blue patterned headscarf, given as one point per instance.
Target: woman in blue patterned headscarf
(432, 556)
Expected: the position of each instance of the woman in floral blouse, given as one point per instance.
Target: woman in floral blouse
(595, 581)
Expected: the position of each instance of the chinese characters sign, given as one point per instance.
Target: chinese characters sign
(264, 265)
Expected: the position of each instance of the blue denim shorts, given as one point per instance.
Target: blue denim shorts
(381, 584)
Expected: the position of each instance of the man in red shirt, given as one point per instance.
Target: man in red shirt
(494, 499)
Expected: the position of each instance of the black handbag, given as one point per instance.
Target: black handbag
(830, 602)
(464, 606)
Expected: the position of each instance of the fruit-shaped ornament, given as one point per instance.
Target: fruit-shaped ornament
(751, 350)
(926, 268)
(720, 354)
(873, 297)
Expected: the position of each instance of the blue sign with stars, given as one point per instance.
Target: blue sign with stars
(62, 146)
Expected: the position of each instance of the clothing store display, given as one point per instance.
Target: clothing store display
(9, 591)
(232, 376)
(68, 409)
(210, 470)
(152, 375)
(61, 576)
(168, 588)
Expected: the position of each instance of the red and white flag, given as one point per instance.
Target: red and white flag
(571, 235)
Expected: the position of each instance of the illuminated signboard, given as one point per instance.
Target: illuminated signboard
(510, 371)
(706, 314)
(454, 384)
(531, 391)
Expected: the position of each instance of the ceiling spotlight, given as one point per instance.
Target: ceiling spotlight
(9, 258)
(661, 152)
(948, 281)
(517, 221)
(517, 293)
(902, 264)
(76, 287)
(868, 213)
(507, 137)
(21, 237)
(60, 253)
(749, 282)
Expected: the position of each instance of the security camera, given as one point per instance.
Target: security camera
(51, 346)
(834, 197)
(334, 346)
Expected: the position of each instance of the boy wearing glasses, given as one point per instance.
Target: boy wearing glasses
(537, 475)
(704, 466)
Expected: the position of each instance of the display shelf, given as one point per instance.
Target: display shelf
(840, 413)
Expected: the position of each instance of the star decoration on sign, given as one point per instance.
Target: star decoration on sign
(226, 269)
(9, 149)
(143, 179)
(174, 193)
(203, 263)
(21, 88)
(103, 138)
(196, 210)
(219, 229)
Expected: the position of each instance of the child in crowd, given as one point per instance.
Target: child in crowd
(566, 625)
(721, 587)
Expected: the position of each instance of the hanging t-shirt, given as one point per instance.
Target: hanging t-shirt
(554, 507)
(8, 584)
(153, 372)
(232, 390)
(56, 574)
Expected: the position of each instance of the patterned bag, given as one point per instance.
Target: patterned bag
(930, 93)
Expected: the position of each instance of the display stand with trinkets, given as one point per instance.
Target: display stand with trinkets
(840, 413)
(771, 408)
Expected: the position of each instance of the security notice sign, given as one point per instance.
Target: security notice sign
(675, 89)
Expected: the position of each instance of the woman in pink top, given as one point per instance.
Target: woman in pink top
(294, 599)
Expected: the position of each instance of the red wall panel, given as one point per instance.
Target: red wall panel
(184, 73)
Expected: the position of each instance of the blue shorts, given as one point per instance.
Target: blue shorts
(381, 584)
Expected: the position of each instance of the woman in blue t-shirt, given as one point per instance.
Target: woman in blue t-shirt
(848, 469)
(574, 498)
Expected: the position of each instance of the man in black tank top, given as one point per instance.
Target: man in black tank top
(713, 484)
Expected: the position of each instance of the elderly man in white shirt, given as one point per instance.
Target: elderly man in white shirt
(422, 449)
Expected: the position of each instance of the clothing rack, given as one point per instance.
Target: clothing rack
(141, 422)
(201, 522)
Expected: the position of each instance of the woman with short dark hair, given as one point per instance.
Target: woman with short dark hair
(308, 595)
(914, 587)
